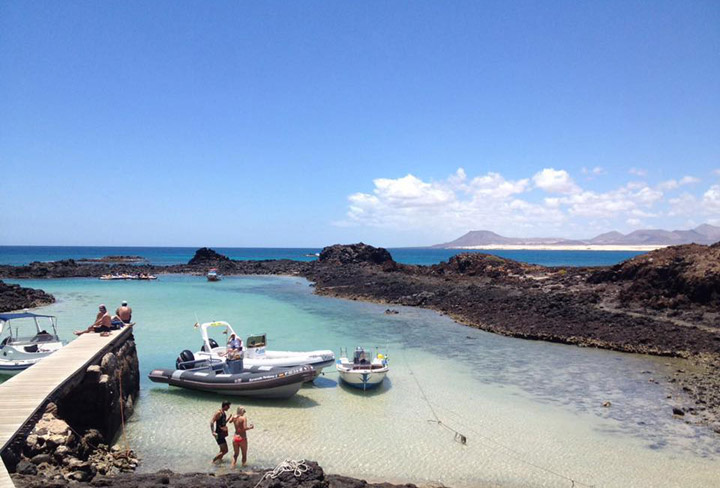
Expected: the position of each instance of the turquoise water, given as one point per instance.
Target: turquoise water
(526, 407)
(20, 255)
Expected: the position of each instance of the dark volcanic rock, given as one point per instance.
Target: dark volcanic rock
(314, 477)
(354, 254)
(480, 264)
(114, 259)
(207, 256)
(668, 278)
(15, 297)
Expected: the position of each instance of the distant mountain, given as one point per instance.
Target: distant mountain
(703, 234)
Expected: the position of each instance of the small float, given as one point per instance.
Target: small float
(24, 341)
(213, 275)
(233, 378)
(255, 352)
(362, 372)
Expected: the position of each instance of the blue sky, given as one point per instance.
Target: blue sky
(395, 123)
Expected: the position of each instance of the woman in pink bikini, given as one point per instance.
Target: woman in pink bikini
(240, 439)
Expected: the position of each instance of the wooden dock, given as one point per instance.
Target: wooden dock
(23, 395)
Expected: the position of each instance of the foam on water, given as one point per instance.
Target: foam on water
(531, 411)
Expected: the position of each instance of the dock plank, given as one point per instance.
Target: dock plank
(24, 394)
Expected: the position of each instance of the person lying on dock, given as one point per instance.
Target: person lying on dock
(103, 322)
(240, 442)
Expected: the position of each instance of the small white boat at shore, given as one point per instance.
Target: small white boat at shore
(25, 341)
(255, 352)
(362, 372)
(213, 275)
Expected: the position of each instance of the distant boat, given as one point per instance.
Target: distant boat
(362, 372)
(17, 351)
(213, 275)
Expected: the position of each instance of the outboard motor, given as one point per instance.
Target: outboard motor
(213, 345)
(184, 357)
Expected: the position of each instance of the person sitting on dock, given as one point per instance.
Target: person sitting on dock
(123, 315)
(218, 427)
(103, 322)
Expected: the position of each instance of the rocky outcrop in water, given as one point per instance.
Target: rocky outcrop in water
(114, 259)
(673, 277)
(354, 254)
(207, 257)
(664, 302)
(15, 297)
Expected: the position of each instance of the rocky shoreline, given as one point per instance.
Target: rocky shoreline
(664, 303)
(312, 476)
(15, 297)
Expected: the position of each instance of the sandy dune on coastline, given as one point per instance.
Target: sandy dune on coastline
(560, 247)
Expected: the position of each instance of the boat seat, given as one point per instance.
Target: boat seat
(42, 337)
(33, 348)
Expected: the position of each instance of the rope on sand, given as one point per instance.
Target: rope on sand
(297, 468)
(462, 439)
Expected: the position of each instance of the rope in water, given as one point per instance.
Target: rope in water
(463, 439)
(297, 468)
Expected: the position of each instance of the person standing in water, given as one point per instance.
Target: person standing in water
(240, 441)
(218, 427)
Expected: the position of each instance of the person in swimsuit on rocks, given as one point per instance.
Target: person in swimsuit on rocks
(240, 441)
(218, 427)
(102, 323)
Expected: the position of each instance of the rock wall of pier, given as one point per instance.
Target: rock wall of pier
(69, 436)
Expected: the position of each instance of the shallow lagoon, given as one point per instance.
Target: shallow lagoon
(532, 411)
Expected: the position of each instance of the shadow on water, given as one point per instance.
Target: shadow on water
(385, 386)
(296, 401)
(321, 382)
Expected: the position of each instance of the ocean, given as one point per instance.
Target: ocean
(532, 412)
(21, 255)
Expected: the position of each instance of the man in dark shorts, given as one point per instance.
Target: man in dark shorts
(103, 322)
(218, 427)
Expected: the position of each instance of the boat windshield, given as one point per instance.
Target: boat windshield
(27, 328)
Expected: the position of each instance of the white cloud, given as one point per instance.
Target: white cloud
(637, 171)
(717, 172)
(597, 170)
(673, 184)
(555, 181)
(689, 180)
(460, 203)
(711, 200)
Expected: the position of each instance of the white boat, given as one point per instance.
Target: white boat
(26, 340)
(363, 372)
(255, 352)
(213, 275)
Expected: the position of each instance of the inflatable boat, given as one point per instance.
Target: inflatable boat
(255, 352)
(233, 378)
